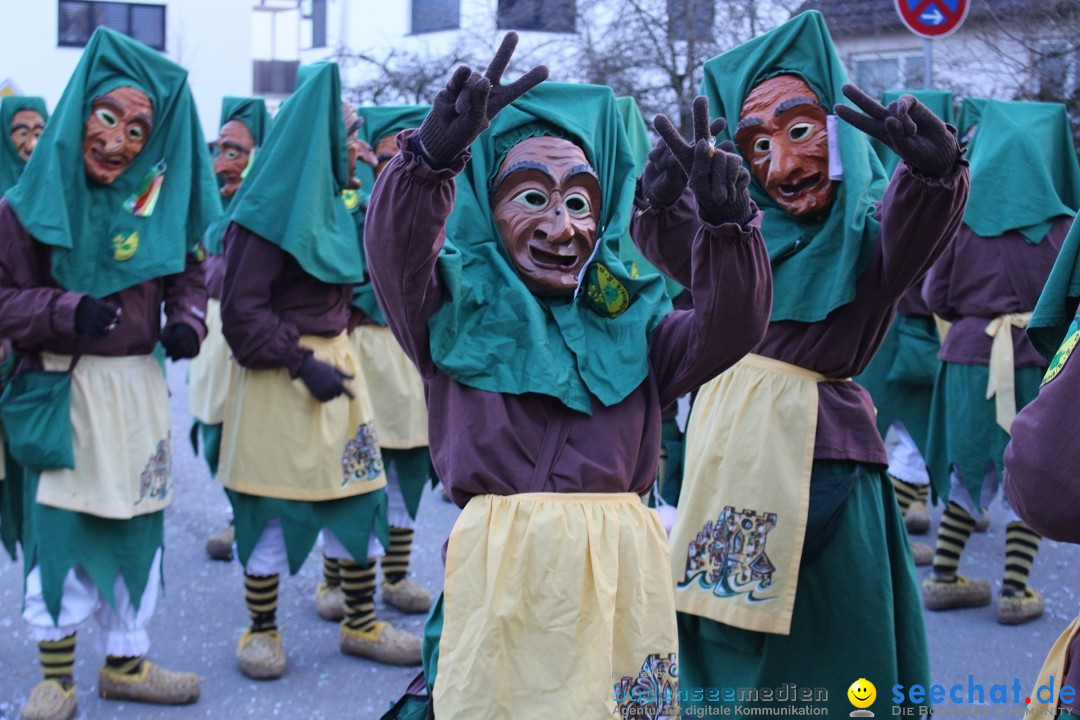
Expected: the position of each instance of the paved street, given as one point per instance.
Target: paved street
(201, 615)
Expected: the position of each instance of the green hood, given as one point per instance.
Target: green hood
(252, 112)
(99, 245)
(640, 145)
(939, 101)
(292, 194)
(493, 334)
(970, 110)
(11, 163)
(1058, 301)
(834, 249)
(1024, 172)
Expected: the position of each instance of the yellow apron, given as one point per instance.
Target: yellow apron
(1052, 674)
(395, 387)
(559, 603)
(737, 541)
(208, 373)
(279, 441)
(120, 423)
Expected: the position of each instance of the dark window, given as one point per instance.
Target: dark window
(543, 15)
(434, 15)
(318, 23)
(691, 19)
(79, 18)
(274, 77)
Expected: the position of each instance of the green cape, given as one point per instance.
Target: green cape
(815, 263)
(970, 110)
(252, 112)
(292, 194)
(939, 101)
(1024, 172)
(11, 162)
(98, 246)
(1057, 304)
(379, 121)
(493, 334)
(640, 145)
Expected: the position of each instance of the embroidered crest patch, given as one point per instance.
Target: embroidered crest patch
(351, 198)
(604, 293)
(653, 693)
(156, 478)
(124, 247)
(362, 461)
(1057, 364)
(728, 555)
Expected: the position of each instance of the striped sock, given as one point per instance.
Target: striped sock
(395, 564)
(58, 659)
(261, 594)
(906, 493)
(953, 533)
(358, 582)
(923, 489)
(124, 665)
(1021, 547)
(331, 572)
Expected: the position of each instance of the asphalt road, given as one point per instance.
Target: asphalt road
(201, 615)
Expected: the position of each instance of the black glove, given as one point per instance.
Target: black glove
(911, 130)
(663, 178)
(95, 317)
(463, 109)
(324, 380)
(180, 341)
(716, 174)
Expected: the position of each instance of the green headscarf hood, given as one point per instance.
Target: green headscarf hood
(640, 145)
(379, 121)
(11, 162)
(491, 332)
(1058, 302)
(252, 112)
(970, 110)
(832, 250)
(106, 238)
(940, 103)
(292, 194)
(1024, 172)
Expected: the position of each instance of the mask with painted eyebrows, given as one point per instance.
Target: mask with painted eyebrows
(234, 147)
(115, 133)
(782, 134)
(546, 202)
(26, 128)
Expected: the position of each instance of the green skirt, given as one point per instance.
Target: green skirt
(963, 425)
(352, 520)
(857, 615)
(57, 540)
(211, 442)
(412, 468)
(11, 505)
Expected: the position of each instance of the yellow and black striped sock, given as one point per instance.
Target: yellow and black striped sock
(923, 489)
(123, 664)
(58, 659)
(395, 564)
(261, 594)
(1021, 547)
(953, 533)
(331, 572)
(906, 493)
(358, 583)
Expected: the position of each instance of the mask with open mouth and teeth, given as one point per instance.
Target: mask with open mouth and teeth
(782, 134)
(546, 202)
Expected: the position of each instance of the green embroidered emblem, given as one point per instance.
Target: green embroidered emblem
(1057, 364)
(604, 293)
(125, 247)
(351, 198)
(199, 251)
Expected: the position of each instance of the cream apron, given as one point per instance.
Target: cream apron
(208, 373)
(1052, 675)
(557, 605)
(279, 441)
(120, 423)
(738, 536)
(395, 387)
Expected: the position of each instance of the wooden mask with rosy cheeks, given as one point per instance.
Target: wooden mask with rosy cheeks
(782, 133)
(546, 203)
(26, 128)
(118, 127)
(235, 144)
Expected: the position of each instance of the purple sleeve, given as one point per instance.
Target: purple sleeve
(731, 283)
(919, 216)
(185, 298)
(32, 310)
(1043, 458)
(256, 335)
(404, 231)
(665, 234)
(936, 287)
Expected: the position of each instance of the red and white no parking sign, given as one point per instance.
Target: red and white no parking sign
(932, 18)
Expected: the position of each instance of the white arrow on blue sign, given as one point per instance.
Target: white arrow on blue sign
(932, 18)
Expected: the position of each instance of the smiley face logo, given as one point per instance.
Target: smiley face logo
(862, 693)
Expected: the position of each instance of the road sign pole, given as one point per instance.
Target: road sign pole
(928, 63)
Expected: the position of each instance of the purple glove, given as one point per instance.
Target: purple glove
(324, 380)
